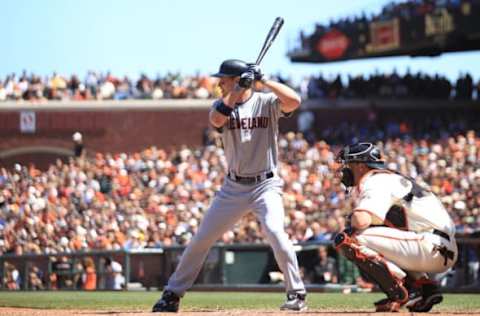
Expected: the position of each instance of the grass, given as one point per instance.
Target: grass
(211, 301)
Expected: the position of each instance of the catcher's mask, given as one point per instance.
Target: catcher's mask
(366, 153)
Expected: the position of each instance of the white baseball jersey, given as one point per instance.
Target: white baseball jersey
(411, 222)
(381, 194)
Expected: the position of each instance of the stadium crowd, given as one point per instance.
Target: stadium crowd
(156, 198)
(392, 86)
(98, 86)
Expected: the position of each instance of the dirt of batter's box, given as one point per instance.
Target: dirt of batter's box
(9, 311)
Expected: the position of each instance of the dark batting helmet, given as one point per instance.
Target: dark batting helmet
(366, 153)
(231, 68)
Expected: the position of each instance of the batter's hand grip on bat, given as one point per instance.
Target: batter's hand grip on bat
(272, 34)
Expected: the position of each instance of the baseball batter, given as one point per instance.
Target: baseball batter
(249, 124)
(400, 234)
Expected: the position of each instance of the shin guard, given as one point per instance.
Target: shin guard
(385, 274)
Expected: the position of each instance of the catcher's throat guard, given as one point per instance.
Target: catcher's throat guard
(374, 267)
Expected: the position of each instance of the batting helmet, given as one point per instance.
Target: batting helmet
(366, 153)
(231, 68)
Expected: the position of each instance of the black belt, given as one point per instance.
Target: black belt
(441, 234)
(249, 180)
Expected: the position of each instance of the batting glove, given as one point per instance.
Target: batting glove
(246, 79)
(256, 71)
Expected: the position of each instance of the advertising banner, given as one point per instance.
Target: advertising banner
(384, 36)
(333, 45)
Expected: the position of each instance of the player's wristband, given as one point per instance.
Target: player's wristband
(223, 109)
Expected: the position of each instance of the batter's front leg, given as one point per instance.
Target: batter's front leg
(269, 209)
(221, 216)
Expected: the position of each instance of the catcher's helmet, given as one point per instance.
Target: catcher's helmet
(231, 68)
(366, 153)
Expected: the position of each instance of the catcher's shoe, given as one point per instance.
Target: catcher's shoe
(169, 302)
(423, 300)
(387, 305)
(414, 296)
(393, 305)
(295, 302)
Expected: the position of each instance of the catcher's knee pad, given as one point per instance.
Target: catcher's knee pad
(374, 267)
(345, 245)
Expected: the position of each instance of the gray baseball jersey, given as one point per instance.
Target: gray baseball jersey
(250, 135)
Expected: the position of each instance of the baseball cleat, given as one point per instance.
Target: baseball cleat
(425, 305)
(169, 303)
(388, 305)
(295, 302)
(423, 301)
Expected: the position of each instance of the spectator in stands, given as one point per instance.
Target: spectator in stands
(91, 83)
(114, 279)
(464, 87)
(124, 89)
(478, 91)
(62, 272)
(89, 277)
(78, 148)
(324, 268)
(12, 279)
(144, 87)
(35, 278)
(319, 233)
(78, 272)
(306, 125)
(58, 87)
(3, 92)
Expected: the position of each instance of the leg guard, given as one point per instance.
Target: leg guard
(374, 267)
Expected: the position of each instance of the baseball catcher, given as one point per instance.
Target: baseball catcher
(400, 234)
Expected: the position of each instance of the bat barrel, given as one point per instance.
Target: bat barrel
(272, 34)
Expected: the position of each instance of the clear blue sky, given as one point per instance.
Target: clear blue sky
(157, 36)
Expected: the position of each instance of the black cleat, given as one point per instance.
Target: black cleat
(424, 300)
(169, 303)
